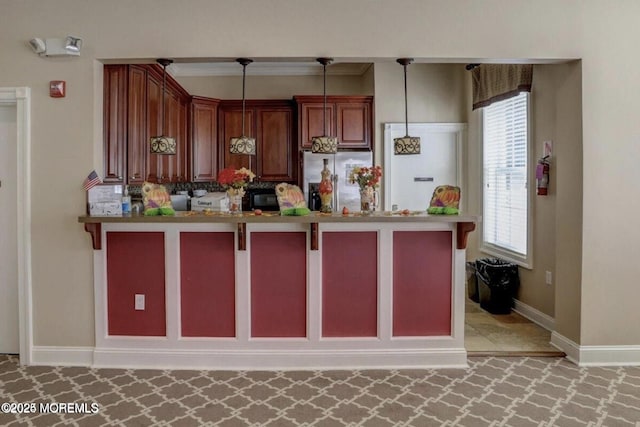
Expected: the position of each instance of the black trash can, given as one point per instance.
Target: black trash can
(472, 282)
(498, 282)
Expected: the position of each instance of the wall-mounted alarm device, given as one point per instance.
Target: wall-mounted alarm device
(57, 88)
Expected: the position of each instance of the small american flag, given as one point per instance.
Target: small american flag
(92, 180)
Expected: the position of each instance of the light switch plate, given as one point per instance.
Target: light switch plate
(139, 304)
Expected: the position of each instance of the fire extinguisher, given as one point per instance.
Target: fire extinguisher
(542, 176)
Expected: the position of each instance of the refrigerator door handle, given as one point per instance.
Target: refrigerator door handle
(336, 191)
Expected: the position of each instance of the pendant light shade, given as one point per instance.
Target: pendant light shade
(243, 144)
(163, 144)
(407, 144)
(324, 144)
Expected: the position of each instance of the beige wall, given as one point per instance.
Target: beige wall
(66, 143)
(568, 179)
(555, 116)
(436, 93)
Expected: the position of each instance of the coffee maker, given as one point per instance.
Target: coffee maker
(314, 196)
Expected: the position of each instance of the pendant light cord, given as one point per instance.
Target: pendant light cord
(244, 72)
(164, 88)
(406, 108)
(324, 94)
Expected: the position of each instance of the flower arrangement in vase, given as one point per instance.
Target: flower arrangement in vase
(368, 179)
(234, 181)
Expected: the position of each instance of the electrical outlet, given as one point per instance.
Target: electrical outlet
(139, 301)
(548, 277)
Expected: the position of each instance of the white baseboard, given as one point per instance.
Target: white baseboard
(597, 355)
(535, 315)
(592, 355)
(280, 360)
(62, 356)
(562, 343)
(249, 360)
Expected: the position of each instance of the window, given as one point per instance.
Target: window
(505, 200)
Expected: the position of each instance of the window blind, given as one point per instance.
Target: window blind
(505, 198)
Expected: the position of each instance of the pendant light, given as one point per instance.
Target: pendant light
(407, 144)
(324, 144)
(163, 144)
(243, 144)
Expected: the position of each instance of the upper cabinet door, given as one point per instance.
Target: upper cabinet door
(275, 156)
(154, 127)
(174, 167)
(349, 118)
(354, 124)
(204, 139)
(163, 168)
(311, 122)
(115, 123)
(230, 117)
(137, 141)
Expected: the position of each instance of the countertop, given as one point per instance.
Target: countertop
(274, 217)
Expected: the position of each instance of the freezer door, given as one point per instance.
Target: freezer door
(348, 195)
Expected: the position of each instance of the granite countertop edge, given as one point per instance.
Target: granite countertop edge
(275, 218)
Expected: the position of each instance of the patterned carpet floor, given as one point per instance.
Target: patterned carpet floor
(518, 391)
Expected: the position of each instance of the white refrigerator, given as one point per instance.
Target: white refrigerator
(409, 179)
(340, 165)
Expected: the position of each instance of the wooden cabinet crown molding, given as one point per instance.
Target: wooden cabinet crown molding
(354, 99)
(255, 103)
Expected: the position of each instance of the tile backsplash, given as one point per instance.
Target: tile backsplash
(174, 187)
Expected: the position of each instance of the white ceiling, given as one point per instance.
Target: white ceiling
(266, 68)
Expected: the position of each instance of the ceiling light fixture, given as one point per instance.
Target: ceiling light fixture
(163, 144)
(324, 144)
(406, 144)
(243, 144)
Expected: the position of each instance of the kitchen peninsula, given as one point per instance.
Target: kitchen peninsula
(222, 291)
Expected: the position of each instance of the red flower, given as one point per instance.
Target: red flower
(235, 178)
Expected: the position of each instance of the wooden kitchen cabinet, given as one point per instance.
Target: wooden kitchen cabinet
(230, 126)
(137, 146)
(204, 139)
(350, 118)
(132, 114)
(115, 123)
(274, 145)
(271, 123)
(164, 168)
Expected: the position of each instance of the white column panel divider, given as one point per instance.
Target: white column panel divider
(314, 288)
(243, 287)
(385, 284)
(172, 283)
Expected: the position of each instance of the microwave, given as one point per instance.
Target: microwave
(264, 199)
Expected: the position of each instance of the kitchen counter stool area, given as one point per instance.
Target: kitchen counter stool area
(298, 295)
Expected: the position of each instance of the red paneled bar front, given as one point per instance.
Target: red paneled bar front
(271, 292)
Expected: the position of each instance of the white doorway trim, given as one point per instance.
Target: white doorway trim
(21, 98)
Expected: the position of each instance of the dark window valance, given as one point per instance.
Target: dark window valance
(497, 82)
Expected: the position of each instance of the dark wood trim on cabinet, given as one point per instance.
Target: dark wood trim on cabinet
(462, 232)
